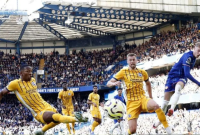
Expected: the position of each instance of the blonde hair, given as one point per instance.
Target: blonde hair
(197, 44)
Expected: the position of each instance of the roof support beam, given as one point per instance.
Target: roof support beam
(117, 14)
(94, 22)
(5, 40)
(50, 29)
(77, 27)
(2, 20)
(22, 32)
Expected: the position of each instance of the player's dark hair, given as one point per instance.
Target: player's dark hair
(23, 66)
(119, 89)
(131, 54)
(94, 86)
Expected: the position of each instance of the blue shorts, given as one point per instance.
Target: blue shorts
(171, 83)
(116, 120)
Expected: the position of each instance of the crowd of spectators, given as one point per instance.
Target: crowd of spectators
(10, 66)
(79, 68)
(89, 67)
(165, 43)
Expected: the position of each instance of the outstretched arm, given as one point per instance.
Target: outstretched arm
(189, 76)
(113, 82)
(74, 100)
(60, 103)
(3, 93)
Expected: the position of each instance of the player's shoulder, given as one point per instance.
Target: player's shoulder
(188, 54)
(61, 92)
(124, 68)
(70, 90)
(91, 94)
(115, 96)
(16, 81)
(33, 79)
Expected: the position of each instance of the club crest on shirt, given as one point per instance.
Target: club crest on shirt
(188, 61)
(129, 115)
(33, 83)
(69, 94)
(166, 87)
(139, 74)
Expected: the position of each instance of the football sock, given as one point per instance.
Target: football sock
(115, 126)
(175, 96)
(94, 124)
(63, 119)
(73, 127)
(48, 126)
(121, 124)
(68, 127)
(161, 117)
(164, 105)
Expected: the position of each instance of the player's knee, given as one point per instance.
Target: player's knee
(156, 106)
(178, 89)
(132, 130)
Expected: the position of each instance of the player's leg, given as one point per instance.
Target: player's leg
(49, 126)
(66, 113)
(133, 109)
(116, 124)
(71, 113)
(164, 106)
(97, 120)
(175, 97)
(152, 106)
(57, 117)
(94, 125)
(52, 119)
(121, 124)
(132, 126)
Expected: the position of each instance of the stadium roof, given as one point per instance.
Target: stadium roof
(60, 21)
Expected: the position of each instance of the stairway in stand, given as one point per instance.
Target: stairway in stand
(41, 67)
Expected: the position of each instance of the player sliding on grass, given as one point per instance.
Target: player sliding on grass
(177, 78)
(25, 89)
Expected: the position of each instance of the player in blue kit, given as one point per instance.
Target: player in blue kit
(120, 97)
(177, 78)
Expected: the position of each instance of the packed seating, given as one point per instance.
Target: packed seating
(88, 67)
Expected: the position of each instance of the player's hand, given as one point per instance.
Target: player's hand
(64, 107)
(94, 104)
(117, 83)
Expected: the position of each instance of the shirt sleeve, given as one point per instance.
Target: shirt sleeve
(12, 86)
(119, 75)
(187, 60)
(60, 94)
(146, 76)
(90, 97)
(72, 93)
(189, 76)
